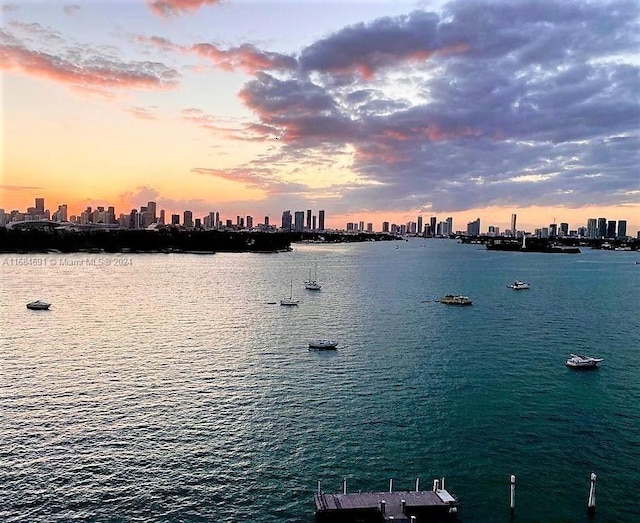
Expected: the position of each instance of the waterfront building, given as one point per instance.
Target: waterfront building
(266, 221)
(622, 228)
(286, 221)
(350, 226)
(161, 219)
(385, 227)
(321, 220)
(188, 219)
(553, 230)
(473, 228)
(249, 222)
(361, 226)
(514, 218)
(592, 228)
(611, 229)
(432, 223)
(175, 219)
(450, 225)
(493, 231)
(3, 218)
(313, 223)
(564, 229)
(40, 205)
(420, 231)
(308, 219)
(298, 220)
(602, 227)
(369, 227)
(198, 224)
(151, 209)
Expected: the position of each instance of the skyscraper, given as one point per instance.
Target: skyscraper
(151, 209)
(321, 220)
(286, 220)
(611, 229)
(592, 228)
(308, 219)
(420, 231)
(298, 220)
(432, 222)
(514, 229)
(450, 222)
(622, 228)
(602, 227)
(188, 219)
(40, 205)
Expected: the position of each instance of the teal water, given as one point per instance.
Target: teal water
(168, 388)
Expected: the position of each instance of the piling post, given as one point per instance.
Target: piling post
(344, 485)
(413, 519)
(512, 501)
(383, 506)
(319, 491)
(435, 485)
(417, 484)
(442, 483)
(591, 503)
(390, 484)
(403, 505)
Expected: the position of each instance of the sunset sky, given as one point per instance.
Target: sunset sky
(370, 110)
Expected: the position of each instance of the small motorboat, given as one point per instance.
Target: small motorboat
(452, 299)
(578, 361)
(323, 344)
(519, 285)
(38, 305)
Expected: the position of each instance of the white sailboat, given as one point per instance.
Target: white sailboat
(312, 284)
(289, 301)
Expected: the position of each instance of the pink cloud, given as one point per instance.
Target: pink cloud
(178, 7)
(95, 72)
(247, 58)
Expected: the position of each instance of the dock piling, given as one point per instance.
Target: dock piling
(390, 484)
(591, 504)
(383, 506)
(417, 484)
(512, 501)
(403, 505)
(435, 485)
(413, 519)
(319, 490)
(344, 485)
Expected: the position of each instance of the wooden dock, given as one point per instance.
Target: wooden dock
(397, 507)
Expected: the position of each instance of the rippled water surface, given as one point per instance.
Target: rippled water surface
(171, 388)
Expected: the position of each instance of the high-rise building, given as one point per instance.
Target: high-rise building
(420, 231)
(266, 221)
(188, 219)
(564, 229)
(286, 220)
(175, 219)
(298, 220)
(592, 228)
(369, 227)
(249, 222)
(308, 219)
(313, 223)
(385, 227)
(602, 227)
(40, 205)
(62, 213)
(514, 229)
(611, 229)
(432, 223)
(473, 228)
(361, 226)
(321, 220)
(622, 228)
(151, 209)
(450, 223)
(553, 230)
(161, 219)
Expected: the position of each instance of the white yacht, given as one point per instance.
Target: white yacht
(38, 305)
(323, 344)
(519, 285)
(583, 362)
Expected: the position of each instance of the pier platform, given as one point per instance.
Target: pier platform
(382, 507)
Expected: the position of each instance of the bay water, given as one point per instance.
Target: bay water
(175, 388)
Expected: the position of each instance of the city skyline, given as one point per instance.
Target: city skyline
(300, 220)
(373, 111)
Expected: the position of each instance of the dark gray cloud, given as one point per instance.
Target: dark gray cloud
(490, 103)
